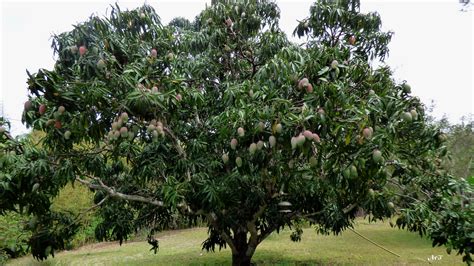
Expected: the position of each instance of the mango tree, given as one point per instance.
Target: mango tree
(225, 119)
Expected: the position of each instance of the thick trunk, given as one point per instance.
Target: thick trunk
(241, 259)
(242, 255)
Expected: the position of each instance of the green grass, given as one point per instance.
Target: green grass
(182, 247)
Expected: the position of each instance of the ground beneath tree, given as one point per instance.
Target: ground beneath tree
(182, 247)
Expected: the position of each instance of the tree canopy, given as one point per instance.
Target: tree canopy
(224, 119)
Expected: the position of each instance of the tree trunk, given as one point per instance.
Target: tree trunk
(241, 259)
(241, 256)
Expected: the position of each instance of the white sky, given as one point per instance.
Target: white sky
(432, 47)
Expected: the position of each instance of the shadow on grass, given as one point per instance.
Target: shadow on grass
(269, 258)
(276, 258)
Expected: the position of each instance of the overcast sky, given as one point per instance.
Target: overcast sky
(432, 47)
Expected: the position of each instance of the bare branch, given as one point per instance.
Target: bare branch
(349, 208)
(311, 214)
(380, 246)
(114, 194)
(92, 207)
(98, 204)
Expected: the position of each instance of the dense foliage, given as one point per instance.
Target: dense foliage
(223, 118)
(13, 239)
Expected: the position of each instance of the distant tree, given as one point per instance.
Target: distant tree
(461, 147)
(225, 119)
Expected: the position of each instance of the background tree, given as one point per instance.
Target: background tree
(461, 147)
(225, 119)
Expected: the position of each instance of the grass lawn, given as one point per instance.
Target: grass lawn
(182, 247)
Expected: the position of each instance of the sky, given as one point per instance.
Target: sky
(432, 48)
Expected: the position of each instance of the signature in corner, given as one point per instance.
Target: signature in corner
(435, 258)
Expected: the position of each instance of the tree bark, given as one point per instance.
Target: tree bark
(241, 259)
(241, 256)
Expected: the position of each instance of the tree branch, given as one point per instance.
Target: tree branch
(212, 217)
(178, 148)
(403, 188)
(380, 246)
(408, 197)
(254, 238)
(114, 194)
(18, 145)
(92, 207)
(349, 208)
(311, 214)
